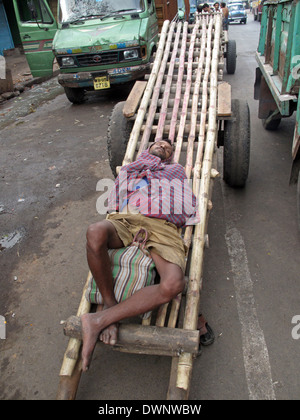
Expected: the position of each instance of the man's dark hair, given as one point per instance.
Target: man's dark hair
(205, 5)
(168, 141)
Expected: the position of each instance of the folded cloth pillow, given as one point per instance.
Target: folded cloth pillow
(132, 269)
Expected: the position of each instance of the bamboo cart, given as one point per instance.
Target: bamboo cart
(186, 100)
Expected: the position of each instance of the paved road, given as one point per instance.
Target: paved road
(51, 160)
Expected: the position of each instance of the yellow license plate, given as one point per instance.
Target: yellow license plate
(101, 83)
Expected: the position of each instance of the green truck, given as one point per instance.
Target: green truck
(97, 43)
(278, 73)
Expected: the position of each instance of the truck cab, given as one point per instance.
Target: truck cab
(97, 43)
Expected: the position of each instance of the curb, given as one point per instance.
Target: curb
(20, 87)
(13, 111)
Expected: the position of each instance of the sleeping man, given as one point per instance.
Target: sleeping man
(151, 193)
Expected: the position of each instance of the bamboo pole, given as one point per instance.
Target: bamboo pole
(194, 114)
(193, 294)
(161, 124)
(164, 106)
(130, 151)
(177, 98)
(156, 91)
(201, 137)
(186, 96)
(189, 230)
(72, 352)
(145, 339)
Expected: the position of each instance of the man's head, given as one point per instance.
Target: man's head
(162, 149)
(216, 5)
(205, 7)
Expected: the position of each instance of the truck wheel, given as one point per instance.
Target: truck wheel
(298, 201)
(118, 134)
(231, 57)
(75, 95)
(236, 152)
(271, 125)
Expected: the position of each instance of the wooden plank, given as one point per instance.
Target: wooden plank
(224, 99)
(134, 98)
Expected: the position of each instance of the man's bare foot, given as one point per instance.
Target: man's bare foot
(110, 334)
(90, 336)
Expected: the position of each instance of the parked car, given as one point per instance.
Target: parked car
(237, 13)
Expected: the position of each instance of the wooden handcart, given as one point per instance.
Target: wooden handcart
(184, 99)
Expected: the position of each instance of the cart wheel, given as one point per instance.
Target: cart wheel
(118, 134)
(75, 95)
(231, 57)
(236, 153)
(298, 201)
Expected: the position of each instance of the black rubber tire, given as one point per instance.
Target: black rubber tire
(298, 201)
(271, 125)
(236, 151)
(75, 95)
(231, 56)
(118, 134)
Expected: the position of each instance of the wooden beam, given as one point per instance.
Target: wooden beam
(141, 339)
(134, 98)
(224, 99)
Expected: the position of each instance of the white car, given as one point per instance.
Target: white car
(237, 13)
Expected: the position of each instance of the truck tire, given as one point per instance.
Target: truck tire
(271, 125)
(118, 134)
(75, 95)
(231, 57)
(236, 151)
(298, 201)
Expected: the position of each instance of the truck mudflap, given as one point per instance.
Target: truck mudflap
(115, 76)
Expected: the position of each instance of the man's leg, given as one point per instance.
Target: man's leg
(102, 236)
(146, 299)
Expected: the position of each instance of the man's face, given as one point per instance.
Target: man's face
(161, 149)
